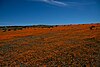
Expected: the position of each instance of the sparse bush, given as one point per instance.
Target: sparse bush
(15, 29)
(4, 29)
(9, 29)
(19, 28)
(92, 27)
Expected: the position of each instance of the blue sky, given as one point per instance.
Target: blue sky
(49, 12)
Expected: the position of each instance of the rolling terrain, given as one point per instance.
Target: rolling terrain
(57, 46)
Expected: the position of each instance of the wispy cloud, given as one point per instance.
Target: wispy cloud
(53, 2)
(59, 3)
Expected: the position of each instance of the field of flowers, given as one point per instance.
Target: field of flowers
(61, 46)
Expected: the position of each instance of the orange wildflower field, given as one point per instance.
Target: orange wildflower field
(58, 46)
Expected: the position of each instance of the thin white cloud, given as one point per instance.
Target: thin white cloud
(59, 3)
(56, 2)
(53, 2)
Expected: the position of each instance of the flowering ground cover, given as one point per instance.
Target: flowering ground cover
(61, 46)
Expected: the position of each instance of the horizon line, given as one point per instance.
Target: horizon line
(51, 24)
